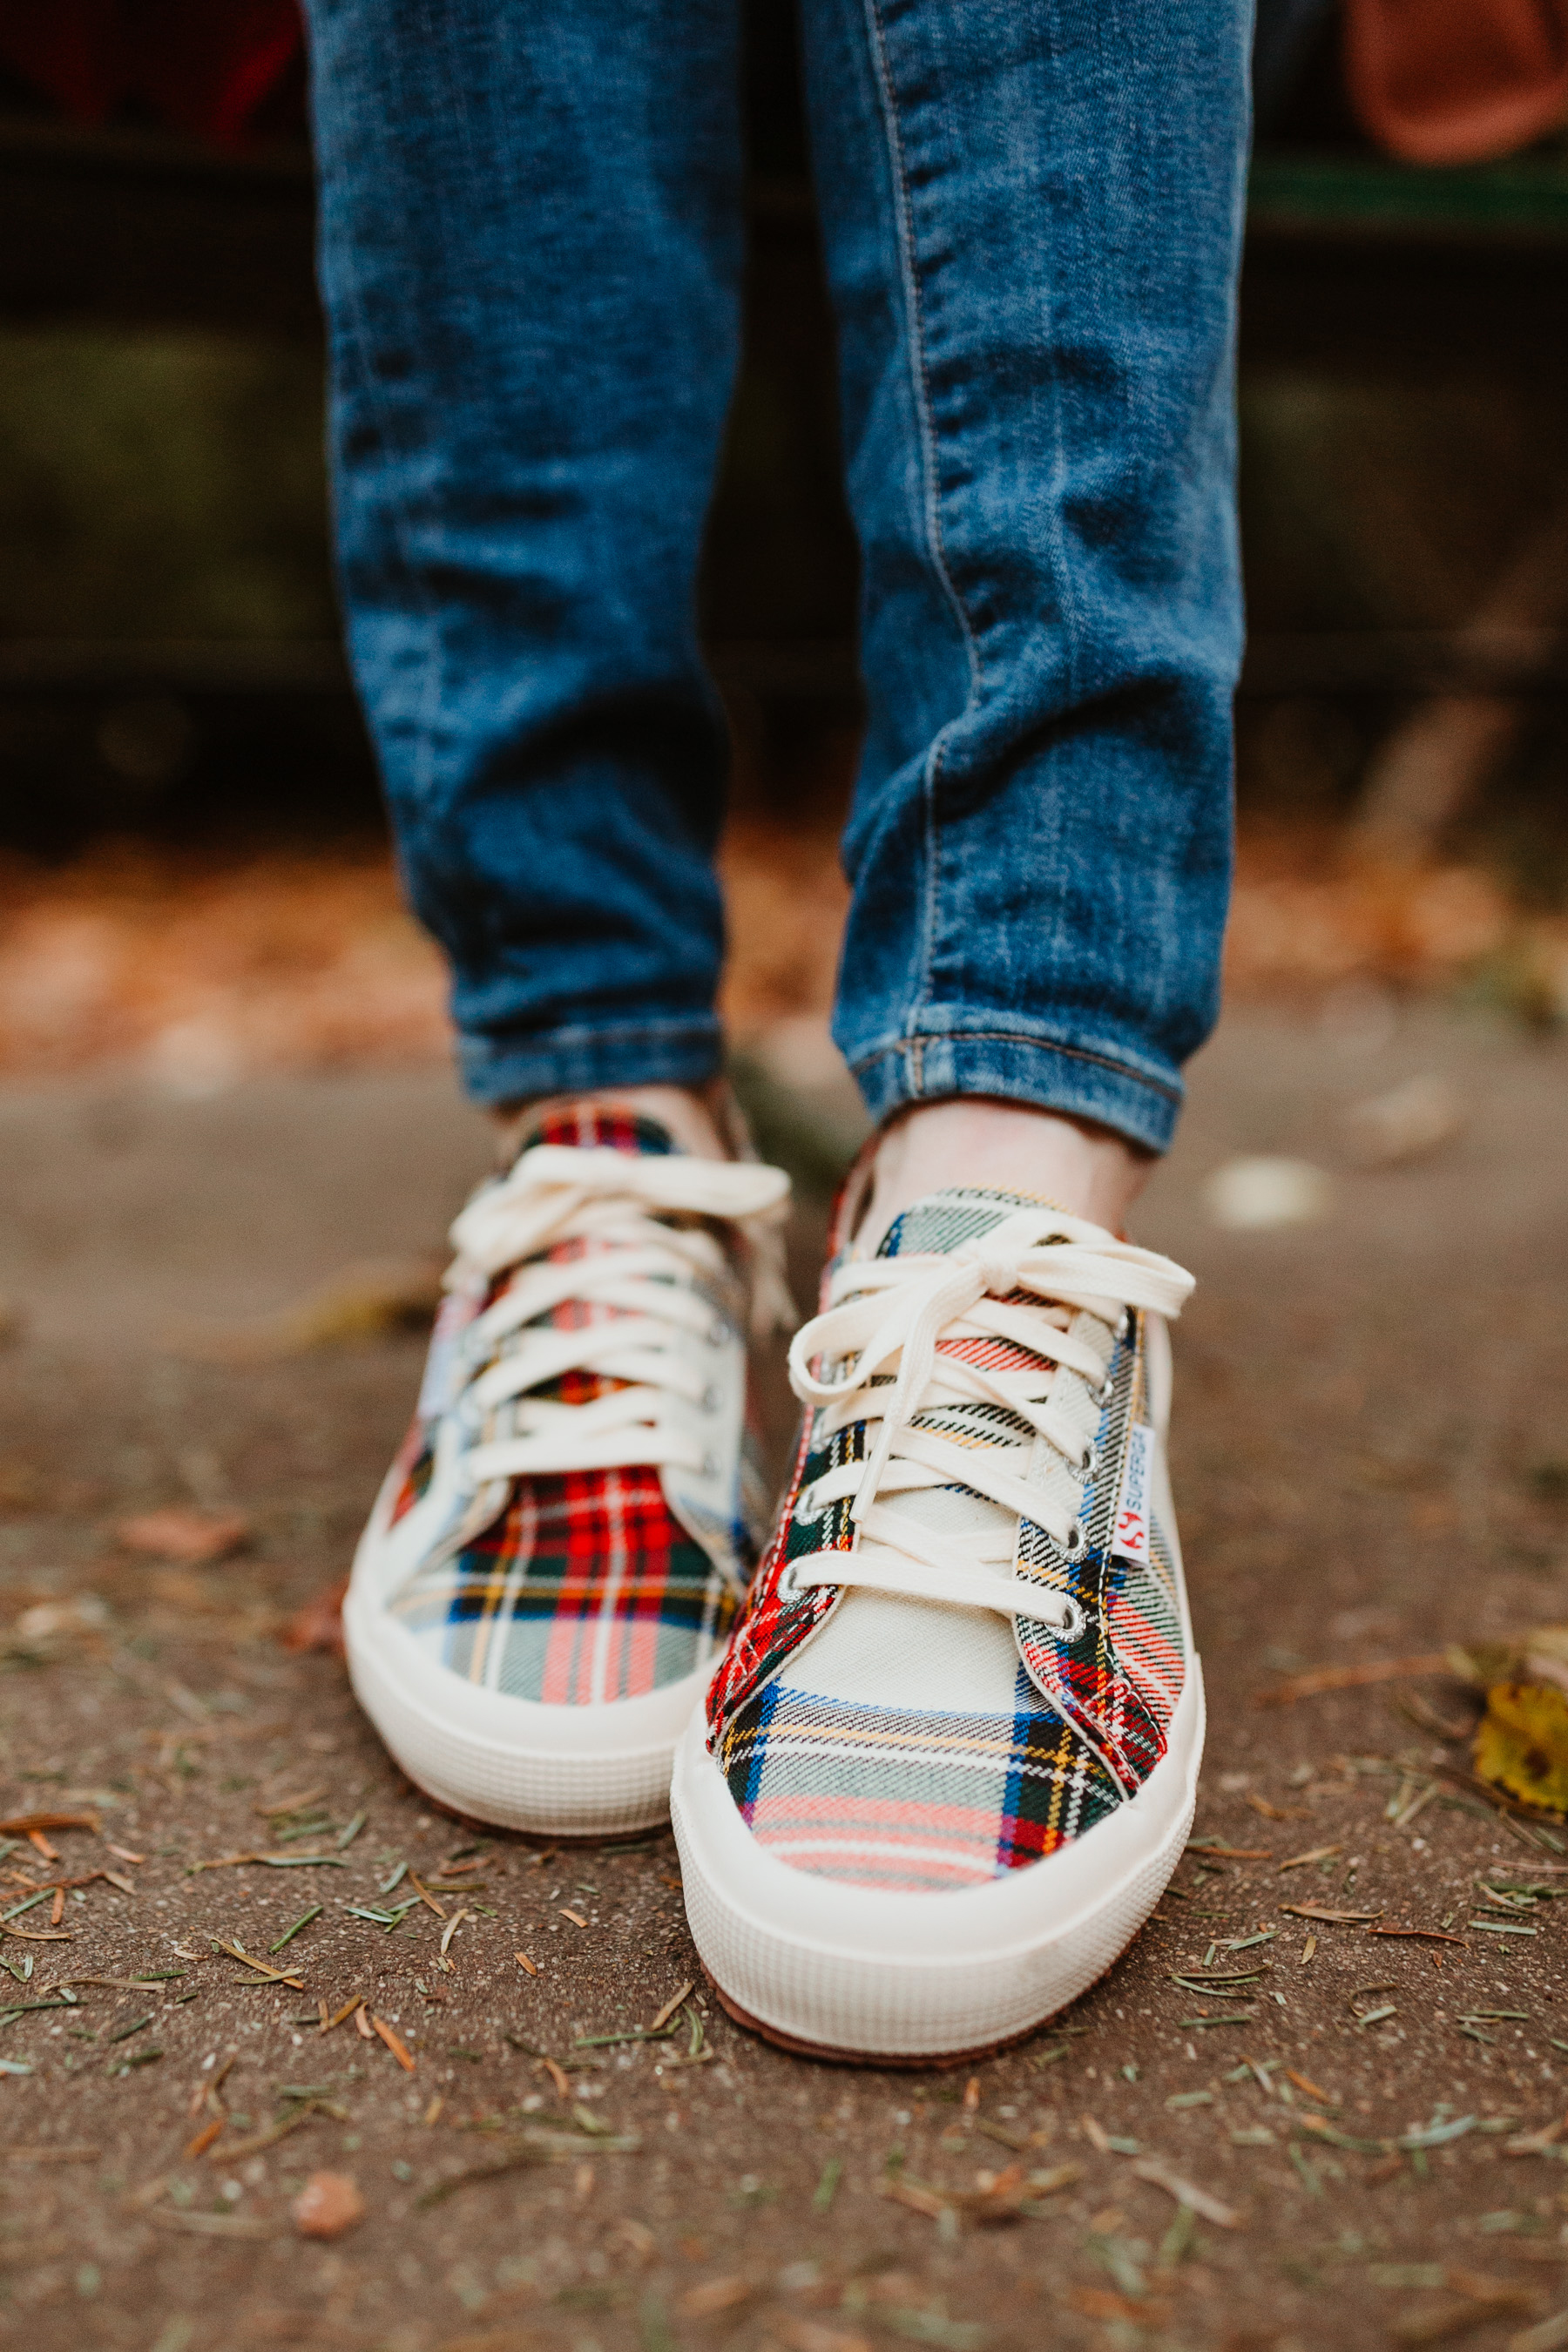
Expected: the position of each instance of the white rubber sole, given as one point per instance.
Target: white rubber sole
(853, 1972)
(554, 1772)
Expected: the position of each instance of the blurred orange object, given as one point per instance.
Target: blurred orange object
(329, 2203)
(1456, 81)
(177, 1534)
(319, 1625)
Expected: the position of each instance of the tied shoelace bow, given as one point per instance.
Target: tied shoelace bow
(896, 1309)
(644, 1273)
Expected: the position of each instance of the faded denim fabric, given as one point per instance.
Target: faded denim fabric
(530, 253)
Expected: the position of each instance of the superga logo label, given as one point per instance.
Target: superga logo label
(1131, 1538)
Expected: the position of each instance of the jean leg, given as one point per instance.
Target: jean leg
(1032, 211)
(530, 252)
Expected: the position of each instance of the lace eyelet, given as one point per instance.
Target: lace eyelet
(1076, 1542)
(806, 1506)
(1106, 1390)
(1090, 1462)
(1076, 1619)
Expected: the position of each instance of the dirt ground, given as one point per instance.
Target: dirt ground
(1371, 1457)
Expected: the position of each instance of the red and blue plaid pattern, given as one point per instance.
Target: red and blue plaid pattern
(585, 1588)
(589, 1586)
(1109, 1681)
(932, 1800)
(909, 1802)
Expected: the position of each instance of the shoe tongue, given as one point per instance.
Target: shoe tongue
(881, 1650)
(942, 1221)
(598, 1127)
(588, 1126)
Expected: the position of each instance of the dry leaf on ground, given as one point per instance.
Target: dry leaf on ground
(184, 1535)
(360, 1302)
(1408, 1123)
(1539, 1657)
(715, 2294)
(319, 1625)
(1521, 1743)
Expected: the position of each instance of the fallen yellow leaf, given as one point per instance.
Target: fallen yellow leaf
(1521, 1743)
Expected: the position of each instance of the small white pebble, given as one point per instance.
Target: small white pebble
(1260, 1194)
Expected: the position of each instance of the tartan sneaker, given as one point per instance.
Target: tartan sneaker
(562, 1544)
(949, 1760)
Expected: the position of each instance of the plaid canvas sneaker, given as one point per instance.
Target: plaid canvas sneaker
(949, 1760)
(561, 1546)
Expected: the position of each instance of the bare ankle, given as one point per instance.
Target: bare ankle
(973, 1139)
(689, 1115)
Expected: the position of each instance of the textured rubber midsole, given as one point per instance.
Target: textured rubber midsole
(513, 1777)
(859, 1970)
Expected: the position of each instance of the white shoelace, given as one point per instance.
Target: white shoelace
(646, 1272)
(883, 1311)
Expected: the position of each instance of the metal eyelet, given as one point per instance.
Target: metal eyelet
(1090, 1462)
(806, 1506)
(1106, 1390)
(1076, 1619)
(1076, 1542)
(786, 1588)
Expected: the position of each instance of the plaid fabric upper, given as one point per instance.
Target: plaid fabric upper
(585, 1589)
(932, 1799)
(581, 1588)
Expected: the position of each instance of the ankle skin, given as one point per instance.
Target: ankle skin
(1086, 1169)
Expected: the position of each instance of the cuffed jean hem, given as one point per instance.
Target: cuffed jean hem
(678, 1053)
(1043, 1072)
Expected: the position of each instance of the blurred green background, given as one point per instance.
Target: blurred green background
(160, 485)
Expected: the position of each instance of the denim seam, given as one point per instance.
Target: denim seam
(1071, 614)
(585, 1033)
(1034, 1045)
(932, 486)
(475, 172)
(419, 595)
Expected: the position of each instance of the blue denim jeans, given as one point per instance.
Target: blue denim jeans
(530, 255)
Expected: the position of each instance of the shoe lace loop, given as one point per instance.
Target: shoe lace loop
(630, 1293)
(875, 1350)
